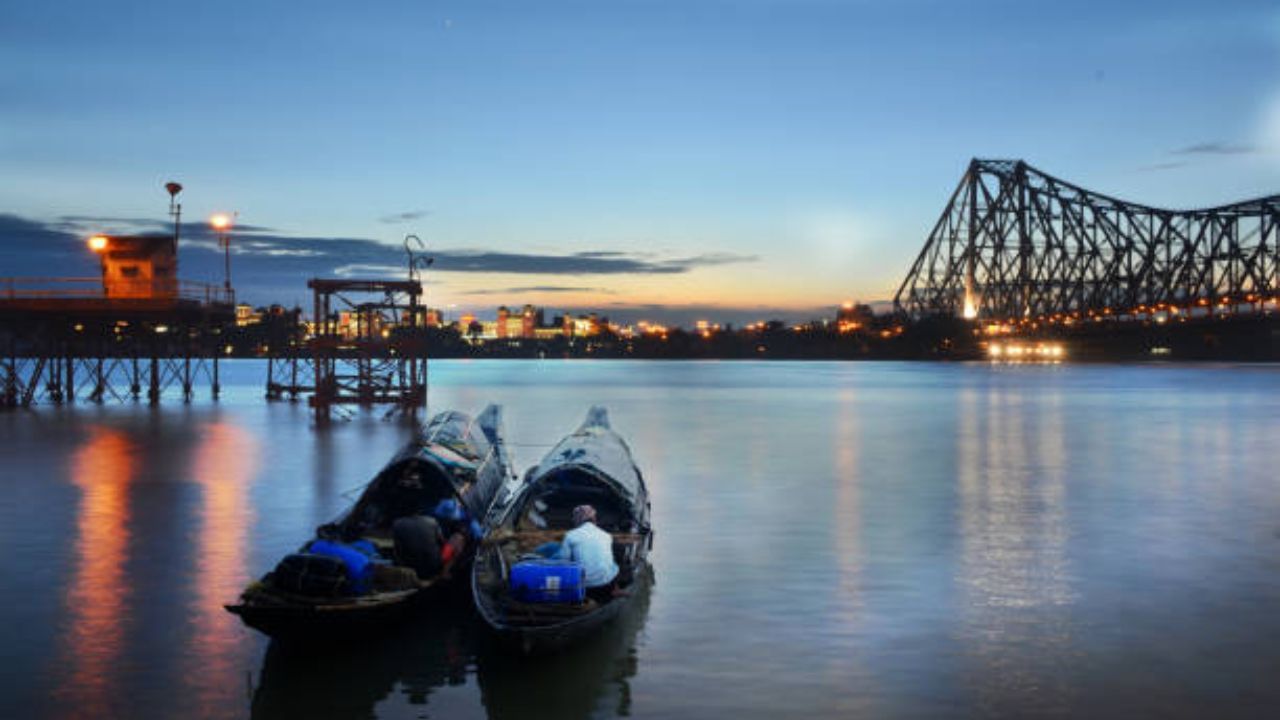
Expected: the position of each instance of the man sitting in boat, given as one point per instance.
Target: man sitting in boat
(592, 548)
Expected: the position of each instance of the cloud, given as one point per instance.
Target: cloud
(403, 217)
(579, 263)
(30, 247)
(269, 267)
(687, 315)
(88, 224)
(539, 289)
(1215, 148)
(1156, 167)
(367, 269)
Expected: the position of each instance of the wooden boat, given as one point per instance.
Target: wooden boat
(599, 669)
(592, 466)
(455, 458)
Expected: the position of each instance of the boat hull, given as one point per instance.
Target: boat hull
(554, 637)
(325, 621)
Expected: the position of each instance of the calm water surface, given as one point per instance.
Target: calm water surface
(852, 540)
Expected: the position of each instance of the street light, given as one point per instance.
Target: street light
(98, 244)
(221, 224)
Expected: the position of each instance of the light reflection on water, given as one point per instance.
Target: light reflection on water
(97, 598)
(225, 463)
(1014, 576)
(846, 531)
(834, 540)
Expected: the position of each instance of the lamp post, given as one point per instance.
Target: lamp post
(221, 224)
(98, 244)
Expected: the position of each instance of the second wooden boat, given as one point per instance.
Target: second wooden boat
(592, 466)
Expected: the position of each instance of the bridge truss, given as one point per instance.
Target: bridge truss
(1016, 245)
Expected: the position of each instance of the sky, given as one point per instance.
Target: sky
(648, 159)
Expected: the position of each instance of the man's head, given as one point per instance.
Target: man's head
(582, 514)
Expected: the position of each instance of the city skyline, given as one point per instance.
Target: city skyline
(659, 160)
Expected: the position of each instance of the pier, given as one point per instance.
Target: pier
(77, 339)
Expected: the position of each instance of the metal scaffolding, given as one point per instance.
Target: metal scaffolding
(367, 347)
(1016, 244)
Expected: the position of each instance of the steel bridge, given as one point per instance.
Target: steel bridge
(1017, 245)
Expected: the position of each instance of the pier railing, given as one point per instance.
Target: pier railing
(92, 288)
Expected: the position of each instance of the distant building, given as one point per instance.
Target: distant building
(854, 316)
(508, 326)
(530, 320)
(529, 323)
(246, 315)
(587, 326)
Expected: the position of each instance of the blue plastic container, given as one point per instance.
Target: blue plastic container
(359, 566)
(449, 509)
(366, 548)
(548, 581)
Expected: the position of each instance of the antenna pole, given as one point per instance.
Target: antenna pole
(175, 210)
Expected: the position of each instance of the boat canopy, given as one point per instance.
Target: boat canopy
(474, 451)
(595, 449)
(467, 457)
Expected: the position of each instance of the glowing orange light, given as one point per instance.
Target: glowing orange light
(98, 243)
(225, 464)
(221, 221)
(100, 589)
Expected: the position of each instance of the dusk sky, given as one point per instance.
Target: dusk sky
(647, 159)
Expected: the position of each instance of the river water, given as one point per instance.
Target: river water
(852, 540)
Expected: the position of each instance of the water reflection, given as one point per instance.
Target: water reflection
(98, 594)
(847, 528)
(226, 461)
(593, 675)
(1013, 575)
(348, 681)
(441, 648)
